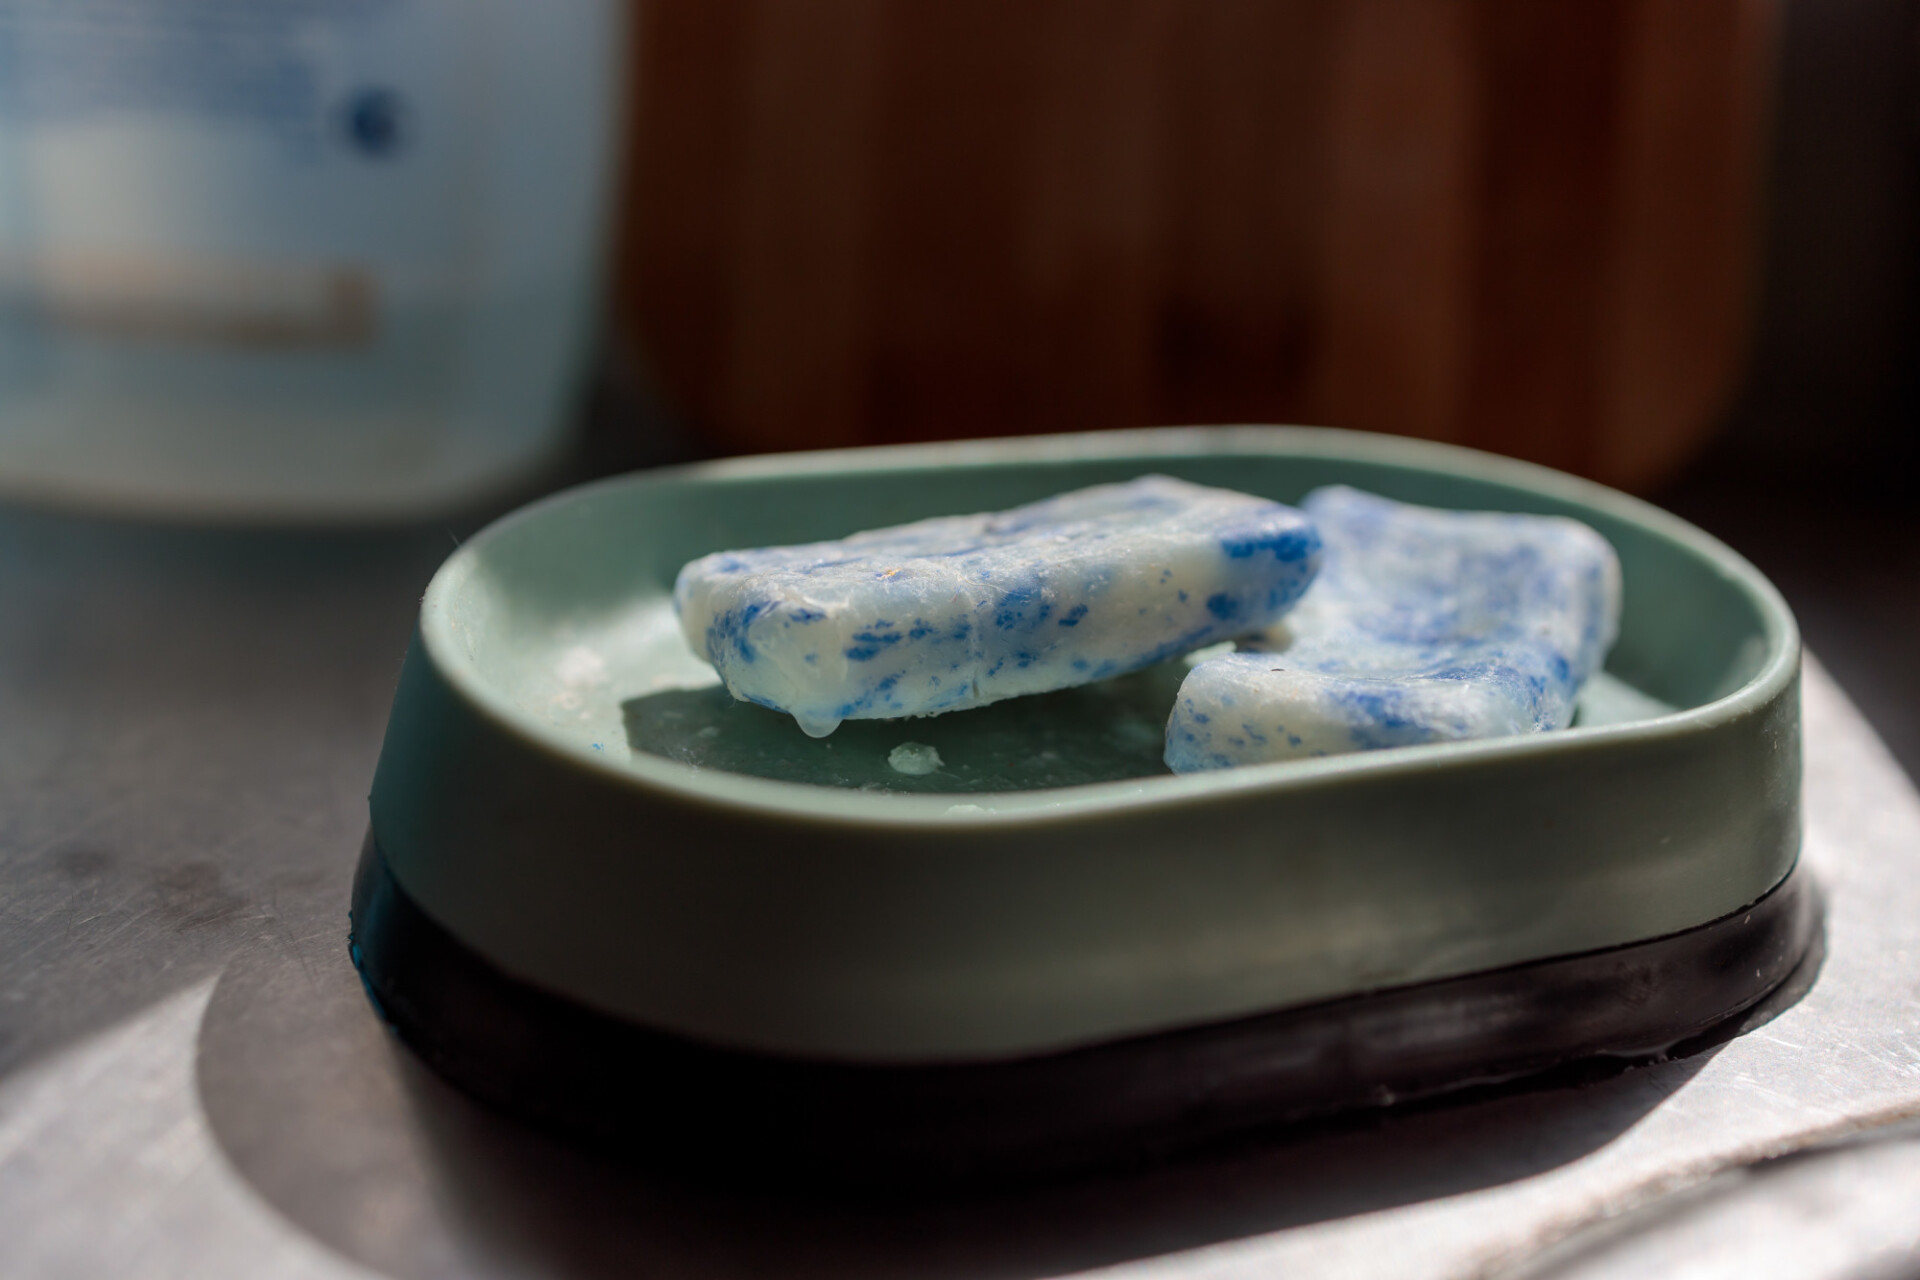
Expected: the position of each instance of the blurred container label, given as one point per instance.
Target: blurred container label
(254, 250)
(252, 60)
(290, 132)
(216, 300)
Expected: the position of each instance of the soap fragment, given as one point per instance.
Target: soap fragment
(961, 611)
(1423, 626)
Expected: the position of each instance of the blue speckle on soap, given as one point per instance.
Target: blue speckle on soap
(1289, 544)
(870, 643)
(1022, 607)
(1222, 606)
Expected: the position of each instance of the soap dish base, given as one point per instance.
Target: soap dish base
(670, 1100)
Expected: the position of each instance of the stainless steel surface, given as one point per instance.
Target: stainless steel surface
(1840, 1211)
(193, 1084)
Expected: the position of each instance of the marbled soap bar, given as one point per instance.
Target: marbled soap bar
(961, 611)
(1423, 626)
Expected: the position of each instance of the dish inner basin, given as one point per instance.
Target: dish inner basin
(576, 628)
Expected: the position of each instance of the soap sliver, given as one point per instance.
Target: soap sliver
(961, 611)
(1424, 626)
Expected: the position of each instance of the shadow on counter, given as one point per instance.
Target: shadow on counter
(353, 1139)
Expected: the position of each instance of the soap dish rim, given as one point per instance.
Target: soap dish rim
(800, 801)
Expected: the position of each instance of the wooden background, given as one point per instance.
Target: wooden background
(1524, 225)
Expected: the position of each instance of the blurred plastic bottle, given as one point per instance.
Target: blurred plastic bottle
(297, 259)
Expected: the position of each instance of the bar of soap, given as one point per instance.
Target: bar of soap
(1424, 626)
(961, 611)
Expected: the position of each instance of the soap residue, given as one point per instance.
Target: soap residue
(915, 759)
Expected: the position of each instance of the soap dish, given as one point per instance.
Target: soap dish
(597, 891)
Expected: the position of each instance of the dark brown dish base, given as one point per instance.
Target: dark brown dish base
(663, 1097)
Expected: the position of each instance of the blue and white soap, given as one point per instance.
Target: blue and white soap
(961, 611)
(1423, 626)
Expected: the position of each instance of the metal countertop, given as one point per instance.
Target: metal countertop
(193, 1084)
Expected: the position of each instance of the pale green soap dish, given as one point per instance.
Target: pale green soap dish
(566, 793)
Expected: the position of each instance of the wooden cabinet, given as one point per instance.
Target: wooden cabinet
(1523, 226)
